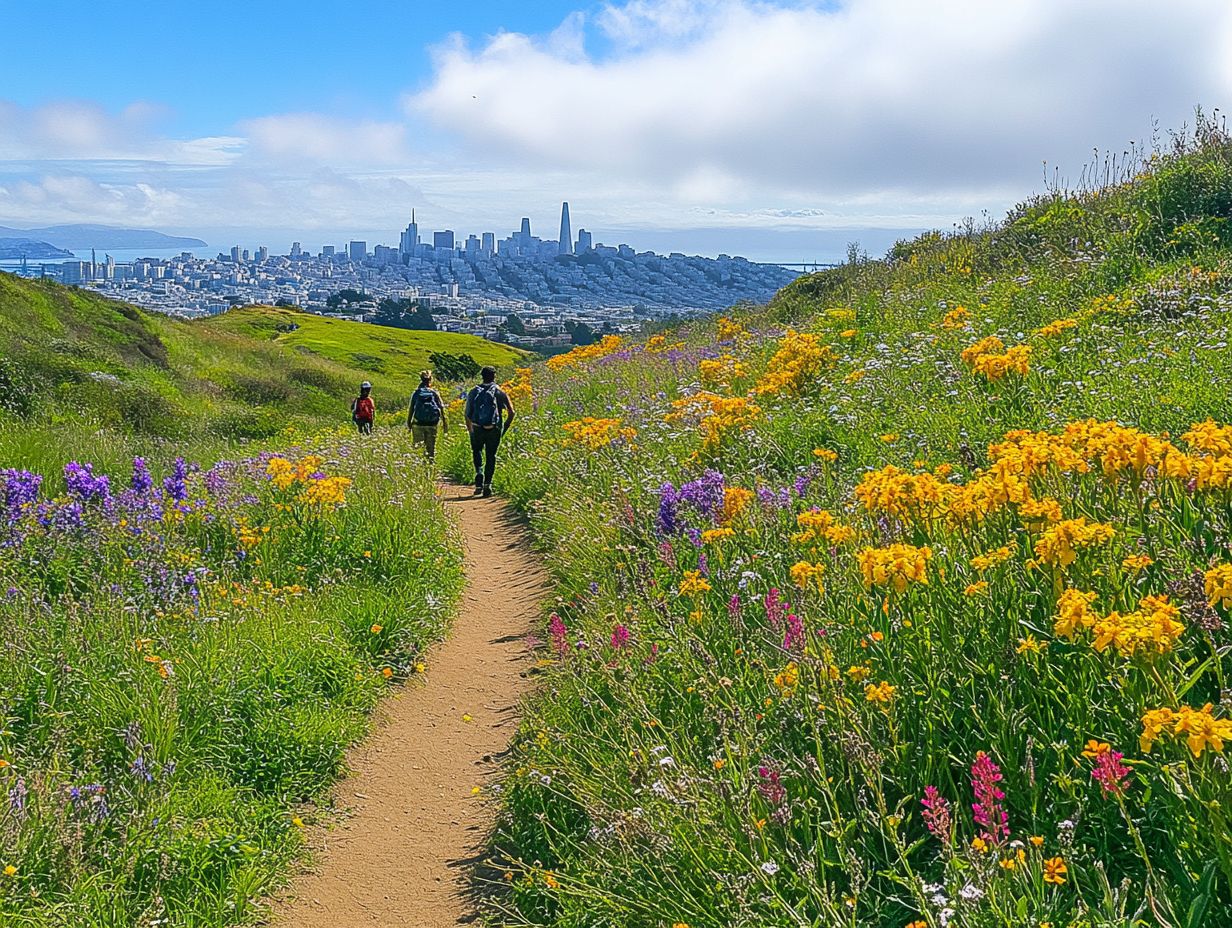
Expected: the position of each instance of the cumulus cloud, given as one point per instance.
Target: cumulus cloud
(902, 97)
(76, 130)
(715, 116)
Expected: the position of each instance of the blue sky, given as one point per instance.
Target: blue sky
(779, 129)
(214, 64)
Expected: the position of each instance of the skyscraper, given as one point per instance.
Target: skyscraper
(358, 251)
(566, 233)
(443, 241)
(410, 238)
(585, 241)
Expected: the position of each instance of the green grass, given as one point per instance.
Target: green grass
(180, 680)
(72, 358)
(390, 358)
(692, 761)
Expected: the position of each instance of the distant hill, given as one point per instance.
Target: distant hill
(12, 249)
(374, 352)
(77, 237)
(67, 354)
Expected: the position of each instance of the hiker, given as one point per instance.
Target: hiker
(426, 412)
(363, 411)
(483, 420)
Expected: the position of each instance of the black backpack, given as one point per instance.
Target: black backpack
(485, 410)
(427, 410)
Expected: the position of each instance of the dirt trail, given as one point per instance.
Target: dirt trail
(411, 829)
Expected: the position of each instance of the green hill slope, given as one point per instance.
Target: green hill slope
(379, 353)
(905, 601)
(69, 355)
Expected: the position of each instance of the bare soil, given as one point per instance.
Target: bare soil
(410, 833)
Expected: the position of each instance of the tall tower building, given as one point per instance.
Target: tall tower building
(525, 227)
(566, 233)
(410, 238)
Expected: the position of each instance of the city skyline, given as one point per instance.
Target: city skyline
(848, 119)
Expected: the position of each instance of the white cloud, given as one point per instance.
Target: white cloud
(667, 116)
(912, 98)
(310, 137)
(75, 130)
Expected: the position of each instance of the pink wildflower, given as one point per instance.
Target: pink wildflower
(770, 786)
(936, 813)
(620, 637)
(559, 633)
(793, 636)
(1111, 775)
(776, 609)
(989, 814)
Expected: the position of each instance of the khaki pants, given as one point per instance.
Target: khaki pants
(425, 435)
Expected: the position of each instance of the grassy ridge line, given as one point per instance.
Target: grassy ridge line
(69, 355)
(699, 759)
(391, 358)
(186, 663)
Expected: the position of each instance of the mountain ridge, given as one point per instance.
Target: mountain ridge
(76, 236)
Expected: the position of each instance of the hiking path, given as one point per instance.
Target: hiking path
(409, 829)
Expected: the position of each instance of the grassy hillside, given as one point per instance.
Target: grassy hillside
(71, 356)
(384, 355)
(905, 601)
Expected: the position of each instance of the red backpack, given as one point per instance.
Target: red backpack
(364, 409)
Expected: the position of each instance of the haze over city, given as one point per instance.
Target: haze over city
(666, 123)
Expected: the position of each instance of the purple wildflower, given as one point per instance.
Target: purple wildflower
(142, 482)
(706, 493)
(21, 489)
(667, 522)
(82, 482)
(176, 486)
(620, 637)
(141, 770)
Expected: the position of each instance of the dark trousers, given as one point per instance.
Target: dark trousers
(365, 428)
(484, 442)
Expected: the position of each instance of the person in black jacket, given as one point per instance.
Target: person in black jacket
(485, 405)
(427, 412)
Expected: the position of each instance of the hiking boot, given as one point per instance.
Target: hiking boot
(478, 484)
(487, 491)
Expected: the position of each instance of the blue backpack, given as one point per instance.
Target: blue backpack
(485, 409)
(426, 410)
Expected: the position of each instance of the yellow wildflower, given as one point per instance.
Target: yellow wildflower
(1055, 870)
(693, 583)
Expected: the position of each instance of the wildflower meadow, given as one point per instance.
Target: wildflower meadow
(903, 601)
(189, 649)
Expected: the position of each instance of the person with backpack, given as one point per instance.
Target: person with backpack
(363, 410)
(484, 405)
(426, 413)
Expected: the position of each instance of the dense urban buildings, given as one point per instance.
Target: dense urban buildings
(469, 285)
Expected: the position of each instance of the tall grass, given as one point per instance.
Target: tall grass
(758, 673)
(186, 662)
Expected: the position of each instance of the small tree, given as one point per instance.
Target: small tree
(454, 366)
(514, 324)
